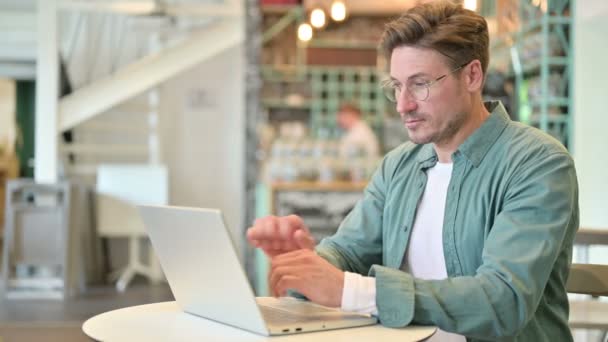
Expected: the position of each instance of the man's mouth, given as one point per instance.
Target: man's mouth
(412, 123)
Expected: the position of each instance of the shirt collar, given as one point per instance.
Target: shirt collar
(477, 145)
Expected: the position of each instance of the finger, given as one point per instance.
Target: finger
(269, 249)
(296, 222)
(277, 273)
(258, 230)
(294, 258)
(286, 227)
(289, 245)
(303, 239)
(251, 237)
(288, 282)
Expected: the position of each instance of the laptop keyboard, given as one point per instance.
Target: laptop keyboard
(278, 316)
(289, 310)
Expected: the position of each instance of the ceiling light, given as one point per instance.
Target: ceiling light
(470, 5)
(304, 32)
(338, 11)
(317, 18)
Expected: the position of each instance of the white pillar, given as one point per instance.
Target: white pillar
(47, 91)
(590, 117)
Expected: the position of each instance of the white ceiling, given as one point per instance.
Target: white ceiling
(368, 7)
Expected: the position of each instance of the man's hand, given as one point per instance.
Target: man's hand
(277, 235)
(307, 273)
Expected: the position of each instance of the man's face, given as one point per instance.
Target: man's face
(438, 118)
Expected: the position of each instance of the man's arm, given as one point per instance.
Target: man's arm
(361, 229)
(319, 276)
(537, 222)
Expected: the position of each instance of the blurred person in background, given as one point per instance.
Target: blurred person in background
(358, 139)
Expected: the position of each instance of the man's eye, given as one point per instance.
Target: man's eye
(419, 84)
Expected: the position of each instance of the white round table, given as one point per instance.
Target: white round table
(166, 322)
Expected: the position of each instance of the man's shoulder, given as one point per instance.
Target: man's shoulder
(523, 147)
(522, 138)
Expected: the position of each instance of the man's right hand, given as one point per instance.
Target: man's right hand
(277, 235)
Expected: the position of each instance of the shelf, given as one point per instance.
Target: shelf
(277, 9)
(285, 73)
(538, 23)
(341, 44)
(318, 186)
(551, 118)
(551, 102)
(282, 103)
(509, 38)
(534, 66)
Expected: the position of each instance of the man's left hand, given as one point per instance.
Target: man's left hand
(309, 274)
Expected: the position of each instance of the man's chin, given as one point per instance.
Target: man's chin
(417, 139)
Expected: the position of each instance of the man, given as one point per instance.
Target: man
(469, 227)
(358, 139)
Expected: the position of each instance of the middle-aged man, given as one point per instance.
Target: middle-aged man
(468, 227)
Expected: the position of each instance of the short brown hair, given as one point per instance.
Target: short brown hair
(443, 26)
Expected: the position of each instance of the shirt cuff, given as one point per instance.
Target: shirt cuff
(359, 294)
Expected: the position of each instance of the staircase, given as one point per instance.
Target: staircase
(114, 63)
(115, 58)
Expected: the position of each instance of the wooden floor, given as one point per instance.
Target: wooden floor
(61, 321)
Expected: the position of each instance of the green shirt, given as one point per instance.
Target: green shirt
(510, 218)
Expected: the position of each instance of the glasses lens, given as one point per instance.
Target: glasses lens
(419, 92)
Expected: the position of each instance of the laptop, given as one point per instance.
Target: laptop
(200, 262)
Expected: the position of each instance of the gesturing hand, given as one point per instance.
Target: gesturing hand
(277, 235)
(309, 274)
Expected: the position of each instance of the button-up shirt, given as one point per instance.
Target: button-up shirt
(510, 218)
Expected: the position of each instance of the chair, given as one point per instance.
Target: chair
(119, 189)
(589, 279)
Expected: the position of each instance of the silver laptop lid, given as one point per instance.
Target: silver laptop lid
(199, 260)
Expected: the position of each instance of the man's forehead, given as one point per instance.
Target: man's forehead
(407, 62)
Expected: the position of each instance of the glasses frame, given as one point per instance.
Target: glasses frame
(390, 88)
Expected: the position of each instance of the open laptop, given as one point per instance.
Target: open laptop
(198, 257)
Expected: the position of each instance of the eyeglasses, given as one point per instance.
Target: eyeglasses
(417, 88)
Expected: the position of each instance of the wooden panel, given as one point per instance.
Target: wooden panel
(9, 169)
(341, 57)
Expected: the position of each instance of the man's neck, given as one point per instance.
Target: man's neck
(479, 114)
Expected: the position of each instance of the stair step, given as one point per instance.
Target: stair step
(106, 150)
(111, 127)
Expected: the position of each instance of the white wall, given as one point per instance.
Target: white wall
(202, 135)
(591, 114)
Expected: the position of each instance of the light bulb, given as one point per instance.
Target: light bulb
(317, 18)
(338, 11)
(470, 5)
(304, 32)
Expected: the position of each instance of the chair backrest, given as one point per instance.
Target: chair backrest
(585, 278)
(588, 279)
(120, 187)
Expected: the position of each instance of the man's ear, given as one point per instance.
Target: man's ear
(474, 76)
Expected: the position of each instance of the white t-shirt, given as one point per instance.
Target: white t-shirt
(424, 258)
(359, 137)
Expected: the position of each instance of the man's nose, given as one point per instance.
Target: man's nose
(406, 102)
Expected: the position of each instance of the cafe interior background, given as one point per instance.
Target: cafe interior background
(232, 105)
